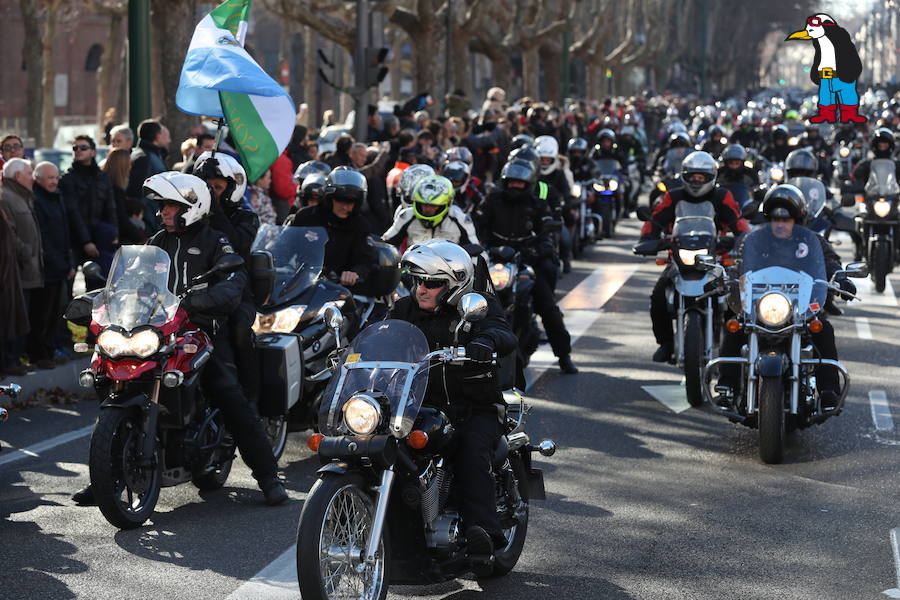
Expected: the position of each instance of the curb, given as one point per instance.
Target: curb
(64, 376)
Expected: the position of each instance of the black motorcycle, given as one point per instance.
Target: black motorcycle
(383, 510)
(878, 219)
(513, 283)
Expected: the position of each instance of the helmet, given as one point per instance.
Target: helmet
(672, 112)
(433, 190)
(784, 201)
(346, 183)
(606, 134)
(780, 132)
(444, 260)
(459, 153)
(883, 135)
(611, 122)
(704, 164)
(410, 177)
(304, 170)
(792, 114)
(526, 153)
(519, 170)
(223, 166)
(520, 140)
(715, 129)
(312, 188)
(744, 119)
(547, 147)
(181, 188)
(457, 172)
(679, 139)
(734, 152)
(577, 145)
(801, 163)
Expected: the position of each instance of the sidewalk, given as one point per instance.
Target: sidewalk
(64, 376)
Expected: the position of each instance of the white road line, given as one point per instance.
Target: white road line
(862, 328)
(672, 397)
(895, 548)
(277, 581)
(582, 307)
(10, 456)
(881, 411)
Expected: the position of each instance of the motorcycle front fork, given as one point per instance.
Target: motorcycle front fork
(708, 326)
(753, 378)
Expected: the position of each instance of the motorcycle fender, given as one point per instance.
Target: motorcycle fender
(690, 288)
(135, 401)
(536, 489)
(770, 365)
(338, 468)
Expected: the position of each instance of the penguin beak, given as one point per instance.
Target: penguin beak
(799, 35)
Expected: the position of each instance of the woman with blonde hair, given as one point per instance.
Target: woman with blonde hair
(118, 165)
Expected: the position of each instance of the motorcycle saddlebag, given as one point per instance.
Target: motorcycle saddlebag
(281, 372)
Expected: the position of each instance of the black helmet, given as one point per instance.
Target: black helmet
(734, 152)
(780, 132)
(679, 139)
(577, 145)
(715, 129)
(346, 183)
(883, 135)
(308, 168)
(801, 163)
(784, 201)
(520, 170)
(606, 134)
(311, 188)
(525, 153)
(520, 140)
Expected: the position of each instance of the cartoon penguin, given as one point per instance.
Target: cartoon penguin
(835, 69)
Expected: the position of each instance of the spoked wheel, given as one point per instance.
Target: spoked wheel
(693, 358)
(771, 420)
(276, 432)
(331, 542)
(513, 501)
(125, 489)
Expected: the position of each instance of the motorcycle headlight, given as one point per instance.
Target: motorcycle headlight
(144, 343)
(115, 344)
(112, 342)
(748, 164)
(793, 141)
(599, 187)
(774, 309)
(613, 185)
(661, 186)
(576, 190)
(500, 276)
(689, 257)
(282, 321)
(844, 152)
(882, 208)
(362, 414)
(777, 174)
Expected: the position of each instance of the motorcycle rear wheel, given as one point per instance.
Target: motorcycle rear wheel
(331, 542)
(771, 420)
(126, 492)
(505, 559)
(276, 432)
(693, 358)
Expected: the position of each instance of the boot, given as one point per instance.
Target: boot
(663, 354)
(848, 114)
(827, 114)
(84, 497)
(274, 491)
(566, 365)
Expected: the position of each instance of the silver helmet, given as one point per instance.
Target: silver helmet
(699, 163)
(443, 260)
(408, 180)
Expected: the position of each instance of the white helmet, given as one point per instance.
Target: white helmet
(408, 180)
(181, 188)
(443, 260)
(223, 165)
(547, 149)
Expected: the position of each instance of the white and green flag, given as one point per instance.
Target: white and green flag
(220, 79)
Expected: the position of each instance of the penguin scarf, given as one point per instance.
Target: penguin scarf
(835, 69)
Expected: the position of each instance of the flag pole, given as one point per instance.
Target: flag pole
(220, 133)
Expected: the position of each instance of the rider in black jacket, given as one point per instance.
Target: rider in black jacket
(469, 394)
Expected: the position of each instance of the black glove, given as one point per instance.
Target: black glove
(480, 349)
(196, 301)
(847, 286)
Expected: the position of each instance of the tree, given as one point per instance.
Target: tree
(33, 55)
(533, 22)
(113, 59)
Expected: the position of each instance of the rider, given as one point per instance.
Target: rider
(514, 215)
(582, 169)
(467, 195)
(698, 171)
(555, 174)
(185, 204)
(745, 134)
(778, 149)
(348, 253)
(783, 207)
(882, 146)
(715, 143)
(310, 191)
(734, 171)
(432, 216)
(468, 393)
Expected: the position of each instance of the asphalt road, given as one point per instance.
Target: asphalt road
(643, 501)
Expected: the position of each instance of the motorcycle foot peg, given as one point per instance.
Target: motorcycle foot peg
(546, 448)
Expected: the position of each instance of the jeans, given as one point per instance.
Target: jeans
(834, 91)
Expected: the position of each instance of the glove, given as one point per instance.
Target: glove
(480, 349)
(847, 286)
(197, 301)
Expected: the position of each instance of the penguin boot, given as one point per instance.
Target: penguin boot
(827, 114)
(849, 114)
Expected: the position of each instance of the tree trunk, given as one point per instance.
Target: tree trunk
(310, 76)
(530, 72)
(396, 67)
(424, 55)
(32, 52)
(551, 60)
(49, 75)
(111, 69)
(461, 61)
(346, 101)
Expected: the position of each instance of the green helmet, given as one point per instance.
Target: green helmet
(433, 190)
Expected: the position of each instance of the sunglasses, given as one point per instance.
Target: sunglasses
(80, 147)
(10, 147)
(817, 22)
(430, 284)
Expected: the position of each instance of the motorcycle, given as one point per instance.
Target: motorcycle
(877, 220)
(694, 310)
(780, 291)
(292, 293)
(588, 224)
(382, 510)
(11, 391)
(773, 174)
(513, 283)
(155, 428)
(609, 194)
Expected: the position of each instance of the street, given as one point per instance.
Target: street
(646, 498)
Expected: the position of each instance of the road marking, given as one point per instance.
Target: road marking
(895, 547)
(881, 412)
(37, 449)
(277, 581)
(866, 291)
(862, 328)
(672, 397)
(582, 306)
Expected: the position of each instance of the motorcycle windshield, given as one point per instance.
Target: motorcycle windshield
(674, 157)
(137, 290)
(792, 265)
(813, 192)
(298, 254)
(386, 360)
(694, 233)
(607, 166)
(882, 178)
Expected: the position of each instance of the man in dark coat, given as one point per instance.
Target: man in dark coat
(149, 158)
(13, 310)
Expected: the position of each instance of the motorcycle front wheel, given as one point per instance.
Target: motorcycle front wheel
(693, 358)
(331, 542)
(125, 489)
(771, 420)
(882, 265)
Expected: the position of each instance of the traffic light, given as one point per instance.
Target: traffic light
(376, 70)
(609, 73)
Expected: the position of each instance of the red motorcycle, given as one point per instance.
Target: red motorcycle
(155, 428)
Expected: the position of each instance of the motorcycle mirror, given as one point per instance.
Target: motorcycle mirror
(228, 264)
(473, 307)
(643, 213)
(647, 247)
(842, 222)
(705, 262)
(333, 317)
(93, 271)
(857, 270)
